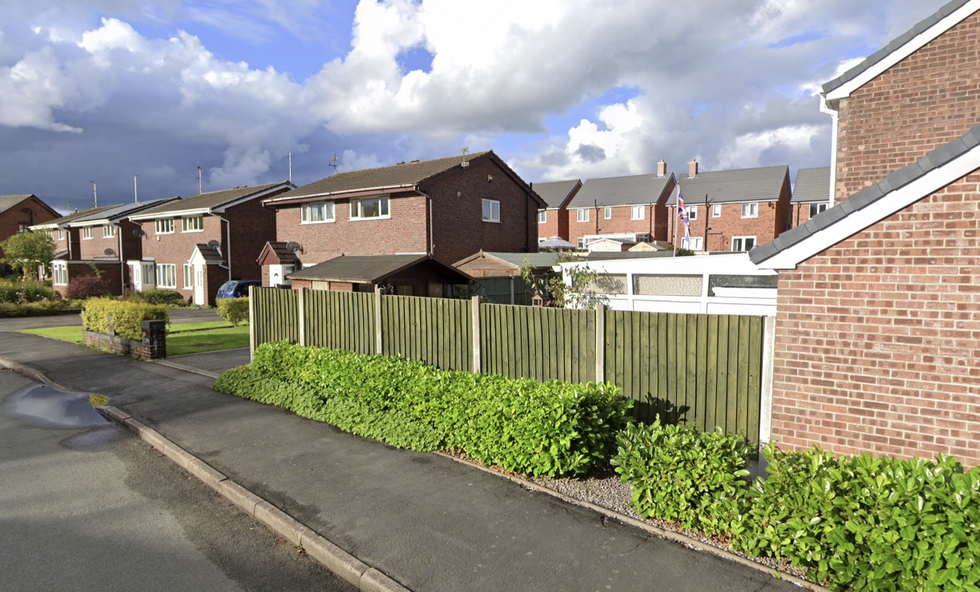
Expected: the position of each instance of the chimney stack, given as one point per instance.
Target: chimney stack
(692, 168)
(662, 168)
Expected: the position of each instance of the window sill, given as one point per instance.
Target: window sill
(388, 217)
(322, 221)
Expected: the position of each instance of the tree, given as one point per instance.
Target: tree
(579, 293)
(28, 251)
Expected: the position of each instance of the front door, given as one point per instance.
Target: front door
(199, 284)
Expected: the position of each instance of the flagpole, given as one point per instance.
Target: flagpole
(675, 225)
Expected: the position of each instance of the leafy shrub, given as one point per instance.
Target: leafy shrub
(25, 291)
(127, 317)
(392, 427)
(682, 475)
(86, 286)
(35, 309)
(868, 523)
(536, 428)
(165, 297)
(233, 310)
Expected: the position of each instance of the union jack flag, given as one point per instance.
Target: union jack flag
(685, 218)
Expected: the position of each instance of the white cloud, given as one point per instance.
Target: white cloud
(32, 89)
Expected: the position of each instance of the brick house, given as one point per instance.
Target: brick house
(196, 244)
(98, 241)
(447, 208)
(733, 210)
(811, 194)
(919, 92)
(20, 212)
(632, 208)
(553, 220)
(877, 333)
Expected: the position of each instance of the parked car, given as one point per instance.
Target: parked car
(236, 288)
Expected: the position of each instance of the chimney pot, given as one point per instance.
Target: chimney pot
(662, 168)
(692, 168)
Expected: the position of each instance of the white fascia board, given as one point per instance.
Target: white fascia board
(905, 51)
(894, 202)
(84, 223)
(172, 214)
(246, 198)
(329, 194)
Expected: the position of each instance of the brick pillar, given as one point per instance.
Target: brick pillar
(154, 340)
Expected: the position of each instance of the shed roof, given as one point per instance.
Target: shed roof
(621, 191)
(898, 190)
(365, 269)
(515, 260)
(733, 186)
(812, 185)
(554, 193)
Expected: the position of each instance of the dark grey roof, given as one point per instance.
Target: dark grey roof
(869, 195)
(213, 200)
(282, 251)
(210, 254)
(9, 201)
(390, 176)
(75, 215)
(358, 269)
(894, 45)
(120, 212)
(734, 186)
(812, 185)
(621, 191)
(554, 193)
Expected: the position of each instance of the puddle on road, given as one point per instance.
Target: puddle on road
(43, 406)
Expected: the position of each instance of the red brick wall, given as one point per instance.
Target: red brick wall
(252, 225)
(878, 337)
(555, 224)
(11, 219)
(773, 219)
(655, 220)
(928, 99)
(111, 276)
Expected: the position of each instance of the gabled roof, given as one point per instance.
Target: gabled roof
(113, 214)
(210, 254)
(555, 193)
(812, 185)
(10, 201)
(280, 251)
(64, 220)
(214, 201)
(516, 260)
(364, 269)
(900, 48)
(734, 186)
(895, 192)
(632, 190)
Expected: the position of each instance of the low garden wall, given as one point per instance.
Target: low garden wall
(153, 346)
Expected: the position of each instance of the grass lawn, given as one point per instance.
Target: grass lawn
(184, 338)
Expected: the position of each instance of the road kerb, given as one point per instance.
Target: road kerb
(238, 495)
(340, 562)
(287, 526)
(375, 581)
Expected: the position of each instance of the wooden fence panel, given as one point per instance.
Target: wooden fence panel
(340, 320)
(701, 370)
(538, 343)
(434, 330)
(276, 315)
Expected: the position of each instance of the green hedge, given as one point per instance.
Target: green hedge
(22, 292)
(233, 310)
(127, 317)
(165, 297)
(535, 428)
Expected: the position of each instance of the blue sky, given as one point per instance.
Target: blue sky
(105, 89)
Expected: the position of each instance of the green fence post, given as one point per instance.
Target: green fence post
(475, 314)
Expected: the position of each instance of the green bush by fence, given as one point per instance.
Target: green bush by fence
(165, 297)
(127, 317)
(233, 310)
(521, 425)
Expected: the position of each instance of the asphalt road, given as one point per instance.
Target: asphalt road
(86, 506)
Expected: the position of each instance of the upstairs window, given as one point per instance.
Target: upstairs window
(491, 210)
(108, 231)
(164, 226)
(637, 212)
(750, 210)
(87, 232)
(367, 209)
(817, 208)
(692, 213)
(191, 224)
(608, 213)
(542, 217)
(716, 211)
(582, 215)
(313, 213)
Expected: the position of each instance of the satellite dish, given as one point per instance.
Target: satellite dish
(294, 246)
(139, 233)
(214, 244)
(109, 252)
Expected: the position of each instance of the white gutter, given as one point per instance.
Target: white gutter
(825, 107)
(380, 189)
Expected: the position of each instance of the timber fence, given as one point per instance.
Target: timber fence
(702, 370)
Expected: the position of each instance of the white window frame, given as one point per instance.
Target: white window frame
(188, 271)
(59, 273)
(582, 215)
(491, 210)
(86, 233)
(163, 226)
(108, 231)
(741, 240)
(692, 213)
(166, 275)
(384, 208)
(61, 234)
(192, 224)
(637, 212)
(607, 213)
(820, 207)
(326, 212)
(581, 244)
(750, 210)
(716, 211)
(695, 243)
(542, 217)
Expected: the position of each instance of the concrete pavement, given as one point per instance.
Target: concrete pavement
(426, 521)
